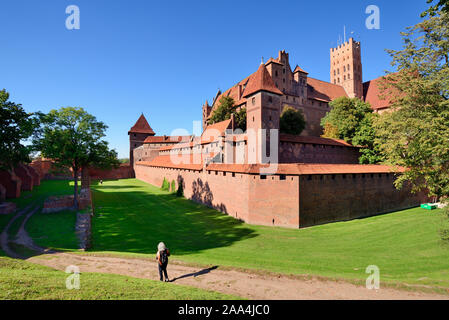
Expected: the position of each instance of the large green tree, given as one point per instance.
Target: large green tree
(415, 134)
(226, 107)
(16, 126)
(292, 121)
(351, 119)
(73, 138)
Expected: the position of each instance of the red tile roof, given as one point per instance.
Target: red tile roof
(372, 92)
(298, 69)
(166, 161)
(325, 91)
(167, 139)
(141, 126)
(305, 169)
(261, 81)
(214, 131)
(271, 60)
(314, 140)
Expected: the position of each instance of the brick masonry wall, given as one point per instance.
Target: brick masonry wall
(328, 198)
(34, 174)
(26, 178)
(11, 183)
(242, 196)
(123, 172)
(2, 193)
(313, 153)
(288, 201)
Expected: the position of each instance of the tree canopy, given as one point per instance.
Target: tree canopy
(73, 138)
(16, 126)
(416, 133)
(351, 119)
(225, 109)
(292, 121)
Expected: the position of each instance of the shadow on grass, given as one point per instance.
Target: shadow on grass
(136, 221)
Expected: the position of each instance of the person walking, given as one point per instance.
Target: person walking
(162, 258)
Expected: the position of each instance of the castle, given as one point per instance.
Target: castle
(265, 177)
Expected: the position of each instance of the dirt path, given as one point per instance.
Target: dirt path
(243, 284)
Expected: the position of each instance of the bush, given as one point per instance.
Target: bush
(173, 186)
(165, 185)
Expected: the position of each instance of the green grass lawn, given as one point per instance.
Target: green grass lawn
(20, 280)
(132, 217)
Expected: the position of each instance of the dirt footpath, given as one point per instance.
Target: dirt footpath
(239, 283)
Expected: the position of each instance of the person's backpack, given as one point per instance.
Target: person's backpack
(163, 256)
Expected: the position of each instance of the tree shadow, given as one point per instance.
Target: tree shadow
(137, 220)
(195, 274)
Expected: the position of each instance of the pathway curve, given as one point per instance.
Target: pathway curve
(244, 284)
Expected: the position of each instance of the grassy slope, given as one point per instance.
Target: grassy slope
(22, 280)
(132, 217)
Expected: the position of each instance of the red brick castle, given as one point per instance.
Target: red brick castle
(263, 177)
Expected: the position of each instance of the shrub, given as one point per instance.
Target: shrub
(173, 186)
(165, 185)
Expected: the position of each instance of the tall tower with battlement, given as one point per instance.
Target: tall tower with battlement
(346, 67)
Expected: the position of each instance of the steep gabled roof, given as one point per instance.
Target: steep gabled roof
(142, 126)
(261, 81)
(372, 92)
(298, 69)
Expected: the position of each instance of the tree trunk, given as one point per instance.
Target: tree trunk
(75, 195)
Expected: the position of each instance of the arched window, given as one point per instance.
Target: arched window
(349, 68)
(344, 69)
(344, 77)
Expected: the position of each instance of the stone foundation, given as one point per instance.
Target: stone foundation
(56, 204)
(7, 207)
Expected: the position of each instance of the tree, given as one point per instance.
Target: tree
(351, 119)
(15, 126)
(292, 121)
(73, 138)
(415, 134)
(442, 5)
(225, 109)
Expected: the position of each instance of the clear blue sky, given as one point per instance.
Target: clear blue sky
(165, 58)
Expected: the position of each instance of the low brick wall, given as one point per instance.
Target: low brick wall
(56, 204)
(7, 207)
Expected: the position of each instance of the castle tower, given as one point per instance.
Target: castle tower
(346, 67)
(262, 112)
(137, 135)
(206, 112)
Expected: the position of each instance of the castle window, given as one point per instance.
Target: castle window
(344, 69)
(134, 134)
(263, 177)
(253, 118)
(344, 77)
(283, 71)
(338, 71)
(349, 68)
(335, 73)
(276, 73)
(254, 101)
(282, 177)
(283, 80)
(349, 76)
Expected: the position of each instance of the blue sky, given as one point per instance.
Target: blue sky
(165, 58)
